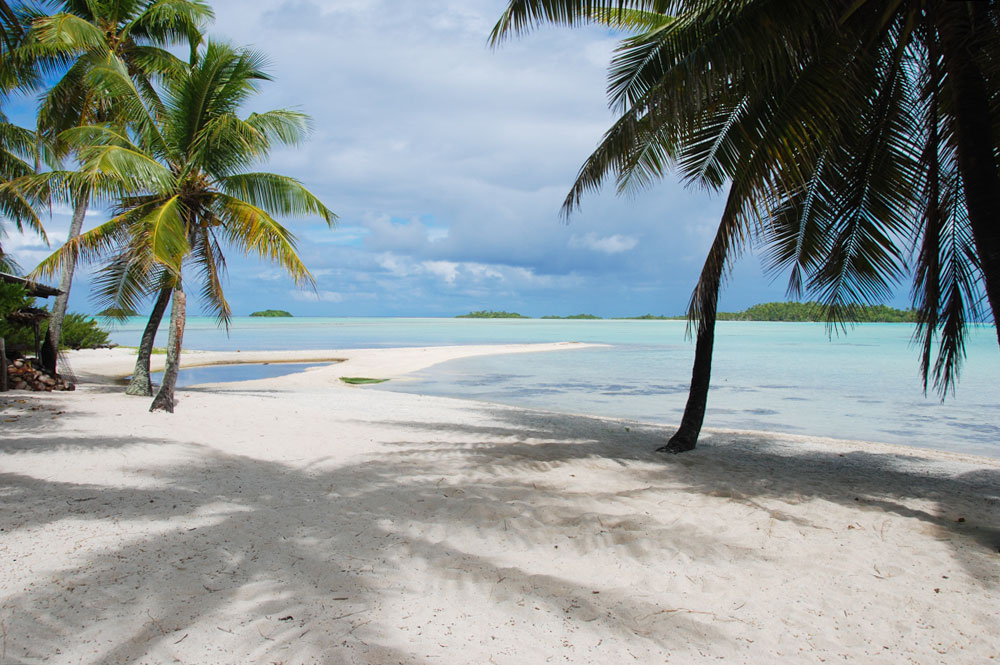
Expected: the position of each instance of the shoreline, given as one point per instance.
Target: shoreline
(298, 519)
(113, 366)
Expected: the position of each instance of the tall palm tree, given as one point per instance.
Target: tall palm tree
(865, 109)
(138, 33)
(188, 189)
(18, 148)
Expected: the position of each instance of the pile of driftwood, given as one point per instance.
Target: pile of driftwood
(22, 376)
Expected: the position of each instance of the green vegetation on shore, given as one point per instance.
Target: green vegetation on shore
(648, 317)
(802, 312)
(78, 330)
(360, 380)
(813, 311)
(272, 313)
(770, 311)
(490, 314)
(574, 316)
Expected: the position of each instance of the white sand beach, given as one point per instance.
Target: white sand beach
(299, 520)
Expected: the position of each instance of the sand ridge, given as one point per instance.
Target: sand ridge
(280, 521)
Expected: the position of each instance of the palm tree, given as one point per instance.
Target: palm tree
(18, 146)
(17, 72)
(842, 139)
(188, 189)
(121, 285)
(138, 33)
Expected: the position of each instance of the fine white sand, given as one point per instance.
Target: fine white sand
(299, 520)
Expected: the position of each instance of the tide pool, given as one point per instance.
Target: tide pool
(788, 377)
(193, 376)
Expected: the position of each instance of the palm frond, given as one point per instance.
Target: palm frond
(522, 16)
(276, 194)
(166, 22)
(211, 263)
(68, 32)
(86, 247)
(282, 126)
(251, 229)
(124, 282)
(125, 166)
(165, 232)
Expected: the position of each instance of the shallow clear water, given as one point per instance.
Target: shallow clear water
(788, 377)
(193, 376)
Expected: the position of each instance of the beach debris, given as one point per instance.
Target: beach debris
(21, 375)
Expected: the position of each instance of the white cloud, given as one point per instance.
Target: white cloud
(446, 270)
(615, 244)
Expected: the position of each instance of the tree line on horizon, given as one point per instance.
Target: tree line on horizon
(159, 140)
(846, 136)
(773, 311)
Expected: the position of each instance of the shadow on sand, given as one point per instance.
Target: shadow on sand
(292, 564)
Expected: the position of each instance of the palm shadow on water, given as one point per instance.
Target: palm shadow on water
(287, 564)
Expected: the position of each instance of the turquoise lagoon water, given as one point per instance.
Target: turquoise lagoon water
(788, 377)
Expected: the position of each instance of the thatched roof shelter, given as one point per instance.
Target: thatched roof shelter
(33, 288)
(28, 316)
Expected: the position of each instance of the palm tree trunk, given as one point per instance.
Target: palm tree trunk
(687, 434)
(50, 348)
(140, 383)
(704, 307)
(976, 161)
(3, 366)
(164, 400)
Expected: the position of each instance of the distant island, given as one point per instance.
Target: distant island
(771, 311)
(490, 314)
(272, 313)
(649, 317)
(813, 311)
(803, 312)
(574, 316)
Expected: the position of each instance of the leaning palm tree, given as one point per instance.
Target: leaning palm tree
(845, 139)
(138, 33)
(188, 191)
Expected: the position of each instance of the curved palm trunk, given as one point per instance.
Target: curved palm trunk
(50, 347)
(704, 304)
(140, 383)
(164, 400)
(976, 161)
(687, 434)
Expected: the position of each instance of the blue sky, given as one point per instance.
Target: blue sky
(447, 163)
